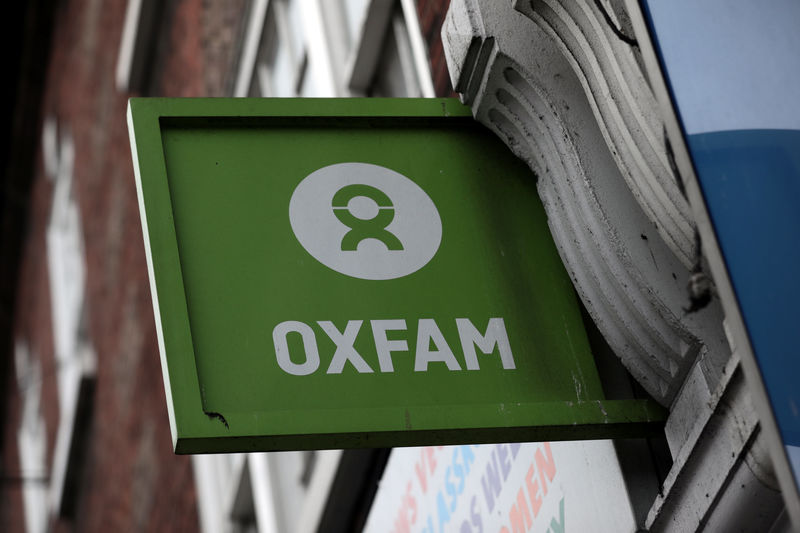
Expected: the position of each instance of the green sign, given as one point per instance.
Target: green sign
(355, 273)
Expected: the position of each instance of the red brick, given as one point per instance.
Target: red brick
(131, 479)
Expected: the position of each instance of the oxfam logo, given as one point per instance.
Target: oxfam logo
(365, 228)
(365, 221)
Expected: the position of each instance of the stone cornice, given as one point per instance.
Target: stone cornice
(603, 58)
(585, 140)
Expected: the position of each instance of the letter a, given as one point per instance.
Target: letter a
(428, 331)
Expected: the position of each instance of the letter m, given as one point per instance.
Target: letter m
(495, 336)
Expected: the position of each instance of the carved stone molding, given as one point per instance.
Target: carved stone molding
(603, 58)
(721, 478)
(626, 253)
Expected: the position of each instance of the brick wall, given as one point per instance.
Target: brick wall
(431, 16)
(131, 480)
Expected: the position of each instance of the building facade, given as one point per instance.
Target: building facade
(86, 443)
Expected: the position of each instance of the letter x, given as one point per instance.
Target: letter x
(344, 346)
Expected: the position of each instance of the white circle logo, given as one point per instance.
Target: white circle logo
(365, 221)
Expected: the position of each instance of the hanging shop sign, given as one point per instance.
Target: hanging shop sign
(355, 273)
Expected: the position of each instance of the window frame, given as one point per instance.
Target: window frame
(336, 70)
(74, 357)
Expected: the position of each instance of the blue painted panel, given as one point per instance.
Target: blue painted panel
(733, 70)
(751, 183)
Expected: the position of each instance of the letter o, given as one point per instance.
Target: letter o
(282, 348)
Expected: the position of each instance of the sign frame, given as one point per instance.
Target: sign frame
(196, 429)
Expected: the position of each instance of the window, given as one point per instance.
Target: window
(378, 58)
(395, 74)
(274, 60)
(224, 493)
(48, 493)
(32, 441)
(282, 59)
(74, 357)
(137, 44)
(333, 48)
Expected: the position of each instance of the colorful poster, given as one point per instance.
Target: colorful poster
(503, 488)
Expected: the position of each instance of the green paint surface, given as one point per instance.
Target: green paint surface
(215, 180)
